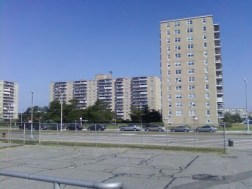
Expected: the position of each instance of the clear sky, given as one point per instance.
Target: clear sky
(63, 40)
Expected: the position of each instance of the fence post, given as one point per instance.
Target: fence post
(224, 135)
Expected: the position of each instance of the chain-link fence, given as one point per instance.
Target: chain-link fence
(122, 135)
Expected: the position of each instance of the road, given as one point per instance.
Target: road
(191, 139)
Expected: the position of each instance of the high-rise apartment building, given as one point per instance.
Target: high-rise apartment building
(123, 98)
(8, 100)
(119, 94)
(191, 69)
(145, 92)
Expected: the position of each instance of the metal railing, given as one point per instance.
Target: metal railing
(57, 181)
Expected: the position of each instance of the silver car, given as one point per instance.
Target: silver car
(206, 128)
(130, 128)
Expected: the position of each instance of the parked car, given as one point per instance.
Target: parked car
(181, 128)
(97, 127)
(130, 128)
(206, 128)
(152, 127)
(74, 126)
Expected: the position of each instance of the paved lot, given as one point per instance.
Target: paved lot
(135, 168)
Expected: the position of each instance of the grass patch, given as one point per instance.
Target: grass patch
(110, 145)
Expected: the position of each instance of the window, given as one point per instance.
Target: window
(188, 22)
(208, 112)
(192, 104)
(168, 32)
(190, 46)
(204, 20)
(189, 38)
(178, 72)
(178, 80)
(177, 55)
(207, 87)
(207, 104)
(168, 72)
(177, 39)
(169, 97)
(168, 40)
(191, 71)
(170, 112)
(178, 104)
(177, 31)
(167, 25)
(168, 56)
(177, 23)
(205, 53)
(178, 112)
(177, 64)
(177, 47)
(178, 96)
(189, 30)
(190, 55)
(169, 105)
(191, 95)
(205, 62)
(190, 63)
(206, 78)
(191, 87)
(204, 28)
(178, 87)
(191, 79)
(204, 36)
(192, 112)
(207, 95)
(206, 70)
(205, 45)
(168, 49)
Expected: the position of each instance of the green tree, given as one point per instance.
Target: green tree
(99, 113)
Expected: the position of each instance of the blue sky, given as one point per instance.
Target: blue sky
(59, 40)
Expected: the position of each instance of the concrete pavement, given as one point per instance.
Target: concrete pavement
(135, 168)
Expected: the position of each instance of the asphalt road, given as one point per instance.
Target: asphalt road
(191, 139)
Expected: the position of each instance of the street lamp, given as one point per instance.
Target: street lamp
(61, 109)
(31, 115)
(246, 98)
(80, 122)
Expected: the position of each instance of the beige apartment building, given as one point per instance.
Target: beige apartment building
(8, 100)
(120, 93)
(191, 71)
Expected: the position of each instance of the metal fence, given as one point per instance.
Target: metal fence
(114, 136)
(57, 181)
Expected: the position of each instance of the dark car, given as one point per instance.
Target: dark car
(130, 128)
(152, 127)
(181, 128)
(206, 128)
(97, 127)
(73, 126)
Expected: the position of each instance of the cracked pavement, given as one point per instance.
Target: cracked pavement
(135, 168)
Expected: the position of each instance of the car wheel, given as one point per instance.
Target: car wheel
(146, 129)
(122, 129)
(159, 130)
(134, 129)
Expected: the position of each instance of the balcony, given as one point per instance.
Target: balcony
(216, 28)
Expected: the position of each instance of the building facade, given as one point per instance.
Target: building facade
(8, 100)
(191, 71)
(119, 94)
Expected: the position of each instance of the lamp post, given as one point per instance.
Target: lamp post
(80, 122)
(61, 109)
(31, 115)
(246, 98)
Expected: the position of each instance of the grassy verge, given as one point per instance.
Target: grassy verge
(109, 145)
